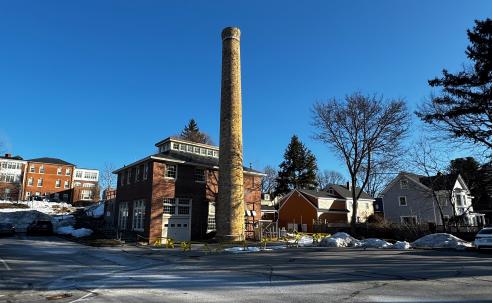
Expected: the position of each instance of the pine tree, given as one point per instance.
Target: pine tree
(191, 132)
(298, 170)
(463, 108)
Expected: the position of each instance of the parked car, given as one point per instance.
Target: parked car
(40, 227)
(483, 238)
(7, 229)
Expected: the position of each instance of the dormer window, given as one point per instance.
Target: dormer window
(176, 146)
(404, 184)
(190, 148)
(204, 151)
(182, 147)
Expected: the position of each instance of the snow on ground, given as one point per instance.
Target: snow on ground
(241, 250)
(95, 211)
(340, 239)
(302, 241)
(41, 206)
(77, 233)
(401, 245)
(441, 240)
(22, 218)
(375, 243)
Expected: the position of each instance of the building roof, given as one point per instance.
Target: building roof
(317, 193)
(12, 157)
(51, 161)
(346, 193)
(437, 182)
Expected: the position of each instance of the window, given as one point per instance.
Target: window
(176, 146)
(197, 150)
(65, 197)
(123, 215)
(211, 223)
(199, 175)
(138, 214)
(128, 175)
(4, 164)
(89, 185)
(57, 196)
(210, 152)
(86, 195)
(409, 220)
(28, 195)
(66, 184)
(216, 154)
(77, 184)
(41, 169)
(203, 151)
(67, 172)
(182, 147)
(30, 181)
(78, 174)
(169, 206)
(404, 184)
(146, 171)
(59, 171)
(403, 201)
(183, 206)
(190, 148)
(460, 200)
(37, 193)
(137, 174)
(171, 171)
(58, 183)
(32, 168)
(121, 176)
(40, 182)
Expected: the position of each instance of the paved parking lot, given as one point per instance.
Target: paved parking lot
(35, 269)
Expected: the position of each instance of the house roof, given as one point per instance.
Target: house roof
(346, 193)
(440, 182)
(12, 158)
(317, 193)
(50, 160)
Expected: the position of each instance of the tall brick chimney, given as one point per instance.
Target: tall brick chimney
(230, 205)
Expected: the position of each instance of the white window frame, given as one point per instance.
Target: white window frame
(137, 173)
(40, 182)
(32, 168)
(403, 184)
(128, 175)
(145, 171)
(59, 171)
(58, 183)
(202, 177)
(138, 215)
(123, 216)
(41, 169)
(177, 204)
(30, 181)
(399, 201)
(66, 184)
(166, 173)
(68, 172)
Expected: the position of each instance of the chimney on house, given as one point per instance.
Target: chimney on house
(348, 186)
(230, 205)
(8, 155)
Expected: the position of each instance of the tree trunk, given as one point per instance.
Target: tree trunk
(353, 222)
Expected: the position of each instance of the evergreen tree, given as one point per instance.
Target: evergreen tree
(463, 108)
(191, 132)
(298, 170)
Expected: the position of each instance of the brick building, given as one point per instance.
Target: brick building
(173, 193)
(85, 186)
(12, 170)
(50, 178)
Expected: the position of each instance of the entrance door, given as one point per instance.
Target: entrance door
(176, 228)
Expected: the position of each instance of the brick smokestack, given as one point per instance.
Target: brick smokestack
(230, 206)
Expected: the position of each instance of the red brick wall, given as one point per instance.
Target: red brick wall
(297, 209)
(49, 179)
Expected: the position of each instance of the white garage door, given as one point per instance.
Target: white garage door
(176, 228)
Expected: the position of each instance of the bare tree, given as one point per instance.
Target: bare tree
(269, 182)
(327, 177)
(361, 130)
(107, 177)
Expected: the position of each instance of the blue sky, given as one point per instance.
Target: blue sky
(92, 82)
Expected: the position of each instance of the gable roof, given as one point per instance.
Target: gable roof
(437, 182)
(346, 193)
(50, 160)
(317, 193)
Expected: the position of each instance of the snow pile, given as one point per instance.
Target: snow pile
(401, 245)
(302, 241)
(340, 239)
(95, 211)
(77, 233)
(62, 220)
(375, 243)
(239, 250)
(440, 240)
(41, 206)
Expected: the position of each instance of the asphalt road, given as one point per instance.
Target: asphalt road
(42, 269)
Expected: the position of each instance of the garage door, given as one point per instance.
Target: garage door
(176, 228)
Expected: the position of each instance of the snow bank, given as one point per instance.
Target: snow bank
(401, 245)
(440, 240)
(41, 206)
(302, 241)
(239, 250)
(375, 243)
(22, 218)
(340, 239)
(95, 211)
(77, 233)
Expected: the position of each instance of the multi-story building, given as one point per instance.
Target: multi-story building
(85, 186)
(11, 177)
(172, 193)
(50, 178)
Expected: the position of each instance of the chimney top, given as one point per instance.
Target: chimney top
(348, 186)
(8, 155)
(231, 33)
